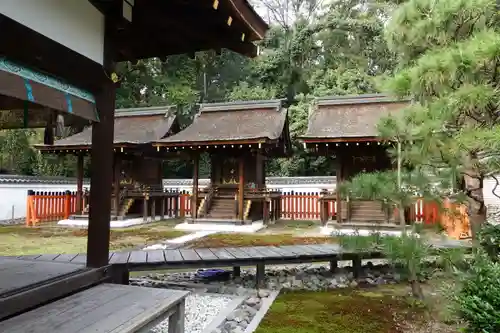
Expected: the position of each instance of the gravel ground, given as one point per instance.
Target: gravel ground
(200, 311)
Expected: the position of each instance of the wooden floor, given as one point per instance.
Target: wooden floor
(18, 275)
(104, 308)
(223, 257)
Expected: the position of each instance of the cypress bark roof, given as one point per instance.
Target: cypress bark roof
(348, 117)
(254, 121)
(132, 126)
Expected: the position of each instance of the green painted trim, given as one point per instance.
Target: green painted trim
(29, 74)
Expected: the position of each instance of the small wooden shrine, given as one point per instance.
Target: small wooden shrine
(345, 127)
(138, 174)
(238, 137)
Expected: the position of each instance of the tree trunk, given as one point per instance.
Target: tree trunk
(473, 186)
(416, 289)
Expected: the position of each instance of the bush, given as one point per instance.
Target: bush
(478, 301)
(489, 239)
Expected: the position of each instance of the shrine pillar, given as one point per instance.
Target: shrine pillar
(241, 187)
(194, 195)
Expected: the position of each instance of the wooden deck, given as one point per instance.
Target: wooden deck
(18, 275)
(104, 308)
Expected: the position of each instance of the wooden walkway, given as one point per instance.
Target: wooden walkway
(224, 257)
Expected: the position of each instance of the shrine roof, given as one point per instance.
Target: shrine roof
(237, 122)
(349, 117)
(156, 28)
(132, 126)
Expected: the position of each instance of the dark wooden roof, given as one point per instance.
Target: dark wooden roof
(132, 126)
(349, 117)
(161, 28)
(251, 121)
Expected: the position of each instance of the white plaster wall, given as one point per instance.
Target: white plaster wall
(13, 197)
(76, 24)
(489, 197)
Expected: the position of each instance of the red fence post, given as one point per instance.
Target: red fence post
(67, 205)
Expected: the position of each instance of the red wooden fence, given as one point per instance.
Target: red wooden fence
(51, 206)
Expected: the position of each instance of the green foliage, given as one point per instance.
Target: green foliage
(478, 301)
(489, 239)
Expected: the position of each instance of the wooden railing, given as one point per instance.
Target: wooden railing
(51, 206)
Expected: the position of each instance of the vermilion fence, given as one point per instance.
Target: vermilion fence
(50, 206)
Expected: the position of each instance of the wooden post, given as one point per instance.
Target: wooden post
(241, 188)
(176, 320)
(162, 209)
(194, 196)
(116, 187)
(236, 271)
(333, 265)
(338, 178)
(260, 275)
(102, 176)
(67, 204)
(145, 203)
(79, 183)
(153, 209)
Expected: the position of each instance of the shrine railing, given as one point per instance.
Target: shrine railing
(51, 206)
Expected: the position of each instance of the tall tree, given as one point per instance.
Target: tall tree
(449, 53)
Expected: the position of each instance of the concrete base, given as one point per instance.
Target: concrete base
(83, 223)
(221, 227)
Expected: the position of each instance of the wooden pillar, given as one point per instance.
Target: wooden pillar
(194, 196)
(102, 162)
(79, 183)
(259, 177)
(338, 178)
(116, 183)
(241, 187)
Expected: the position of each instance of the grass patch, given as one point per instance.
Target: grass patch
(293, 225)
(21, 240)
(238, 240)
(388, 309)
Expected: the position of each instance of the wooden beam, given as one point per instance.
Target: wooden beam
(102, 164)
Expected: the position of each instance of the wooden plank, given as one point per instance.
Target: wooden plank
(31, 257)
(332, 248)
(189, 255)
(19, 274)
(284, 253)
(237, 253)
(319, 248)
(65, 257)
(292, 249)
(268, 252)
(306, 250)
(81, 258)
(137, 257)
(106, 308)
(206, 254)
(43, 293)
(155, 257)
(222, 254)
(173, 256)
(120, 258)
(47, 257)
(252, 252)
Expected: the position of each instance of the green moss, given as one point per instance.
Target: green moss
(336, 312)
